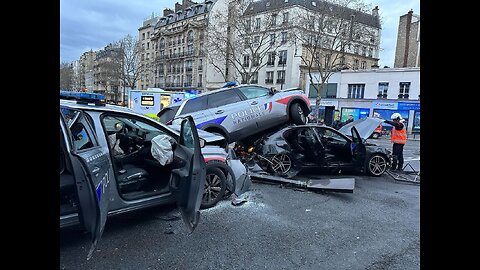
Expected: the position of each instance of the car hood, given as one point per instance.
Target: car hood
(207, 136)
(365, 127)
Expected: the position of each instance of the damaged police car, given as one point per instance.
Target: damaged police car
(239, 111)
(113, 160)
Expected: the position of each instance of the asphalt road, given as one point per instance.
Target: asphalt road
(376, 227)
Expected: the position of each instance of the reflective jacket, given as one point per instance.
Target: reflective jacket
(399, 136)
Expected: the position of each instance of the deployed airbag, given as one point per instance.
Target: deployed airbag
(162, 149)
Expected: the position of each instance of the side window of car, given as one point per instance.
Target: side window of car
(223, 98)
(254, 92)
(194, 105)
(81, 139)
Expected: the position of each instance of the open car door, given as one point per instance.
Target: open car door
(90, 167)
(358, 147)
(188, 174)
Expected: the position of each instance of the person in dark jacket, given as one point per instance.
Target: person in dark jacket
(350, 119)
(398, 138)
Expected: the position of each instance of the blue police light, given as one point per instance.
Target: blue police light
(230, 84)
(83, 97)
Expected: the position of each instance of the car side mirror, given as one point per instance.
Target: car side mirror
(272, 91)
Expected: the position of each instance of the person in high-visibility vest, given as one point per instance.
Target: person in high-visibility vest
(398, 138)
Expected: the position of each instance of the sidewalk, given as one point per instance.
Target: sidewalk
(413, 136)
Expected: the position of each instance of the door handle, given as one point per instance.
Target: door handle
(219, 112)
(254, 103)
(95, 171)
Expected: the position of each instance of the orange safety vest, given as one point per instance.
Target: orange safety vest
(399, 136)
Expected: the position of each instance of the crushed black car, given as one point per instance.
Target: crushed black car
(293, 149)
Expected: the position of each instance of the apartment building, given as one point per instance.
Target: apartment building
(284, 19)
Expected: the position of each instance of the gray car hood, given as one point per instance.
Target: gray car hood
(207, 136)
(365, 127)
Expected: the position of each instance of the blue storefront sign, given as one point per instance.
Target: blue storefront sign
(406, 106)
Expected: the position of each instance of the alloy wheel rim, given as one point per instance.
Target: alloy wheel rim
(281, 163)
(212, 188)
(377, 165)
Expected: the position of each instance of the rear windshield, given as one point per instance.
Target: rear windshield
(167, 114)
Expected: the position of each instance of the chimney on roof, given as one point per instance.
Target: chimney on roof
(410, 12)
(187, 3)
(167, 11)
(178, 7)
(375, 11)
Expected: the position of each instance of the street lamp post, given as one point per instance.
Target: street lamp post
(283, 79)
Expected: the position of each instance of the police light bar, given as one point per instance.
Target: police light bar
(230, 84)
(84, 98)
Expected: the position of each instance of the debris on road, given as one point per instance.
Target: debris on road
(238, 201)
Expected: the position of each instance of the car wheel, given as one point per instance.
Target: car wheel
(297, 115)
(376, 165)
(215, 186)
(281, 164)
(375, 135)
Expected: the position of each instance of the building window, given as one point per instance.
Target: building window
(246, 60)
(148, 34)
(272, 39)
(257, 23)
(370, 52)
(285, 17)
(190, 37)
(246, 42)
(256, 39)
(284, 37)
(248, 25)
(355, 64)
(254, 77)
(274, 19)
(363, 65)
(269, 79)
(404, 90)
(256, 60)
(143, 36)
(200, 64)
(355, 49)
(356, 90)
(364, 50)
(382, 89)
(281, 76)
(282, 57)
(271, 59)
(188, 66)
(148, 45)
(200, 80)
(148, 56)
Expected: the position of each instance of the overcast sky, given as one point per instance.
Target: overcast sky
(92, 24)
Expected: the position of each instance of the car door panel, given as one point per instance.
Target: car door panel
(189, 173)
(90, 169)
(357, 148)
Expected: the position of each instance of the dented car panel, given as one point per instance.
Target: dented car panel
(296, 148)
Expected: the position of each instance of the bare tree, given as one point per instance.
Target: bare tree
(66, 76)
(133, 68)
(326, 35)
(237, 45)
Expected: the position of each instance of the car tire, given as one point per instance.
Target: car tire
(297, 115)
(376, 165)
(282, 164)
(215, 186)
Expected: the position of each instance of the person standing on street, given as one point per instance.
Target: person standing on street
(398, 138)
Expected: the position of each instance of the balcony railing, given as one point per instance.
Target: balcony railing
(403, 96)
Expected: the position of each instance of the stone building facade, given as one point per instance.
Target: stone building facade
(407, 52)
